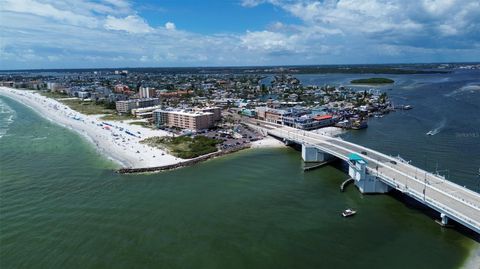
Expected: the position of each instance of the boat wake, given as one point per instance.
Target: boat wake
(437, 129)
(7, 116)
(469, 88)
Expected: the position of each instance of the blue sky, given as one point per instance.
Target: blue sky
(122, 33)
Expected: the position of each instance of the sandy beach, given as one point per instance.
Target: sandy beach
(267, 142)
(118, 141)
(329, 131)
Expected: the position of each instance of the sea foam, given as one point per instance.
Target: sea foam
(7, 117)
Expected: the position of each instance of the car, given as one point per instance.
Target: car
(393, 162)
(364, 152)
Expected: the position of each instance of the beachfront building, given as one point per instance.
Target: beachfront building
(144, 112)
(126, 106)
(309, 122)
(183, 119)
(275, 115)
(216, 111)
(296, 117)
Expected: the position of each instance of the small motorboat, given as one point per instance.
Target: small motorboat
(430, 133)
(348, 212)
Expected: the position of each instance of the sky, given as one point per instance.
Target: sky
(36, 34)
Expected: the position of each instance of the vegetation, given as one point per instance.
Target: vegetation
(53, 95)
(117, 117)
(87, 107)
(106, 104)
(372, 81)
(184, 147)
(143, 124)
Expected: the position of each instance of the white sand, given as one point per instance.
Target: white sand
(329, 131)
(123, 148)
(267, 142)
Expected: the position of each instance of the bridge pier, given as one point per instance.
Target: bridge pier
(365, 182)
(444, 219)
(312, 154)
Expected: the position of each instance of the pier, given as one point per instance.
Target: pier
(375, 172)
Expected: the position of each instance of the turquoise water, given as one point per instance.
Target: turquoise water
(61, 206)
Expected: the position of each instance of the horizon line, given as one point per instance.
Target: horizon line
(230, 66)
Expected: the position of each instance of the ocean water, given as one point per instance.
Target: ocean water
(62, 206)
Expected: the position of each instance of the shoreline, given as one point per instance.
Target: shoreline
(110, 140)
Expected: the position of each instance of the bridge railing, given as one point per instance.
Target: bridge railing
(452, 213)
(452, 184)
(455, 197)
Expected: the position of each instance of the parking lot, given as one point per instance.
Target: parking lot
(232, 137)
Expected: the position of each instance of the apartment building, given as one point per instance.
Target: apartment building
(191, 120)
(127, 105)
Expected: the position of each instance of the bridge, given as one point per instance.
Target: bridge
(375, 172)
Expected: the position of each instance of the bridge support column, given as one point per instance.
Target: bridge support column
(444, 219)
(365, 182)
(312, 154)
(287, 142)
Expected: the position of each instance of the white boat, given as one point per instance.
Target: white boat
(430, 133)
(348, 212)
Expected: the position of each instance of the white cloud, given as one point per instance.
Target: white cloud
(88, 33)
(252, 3)
(48, 10)
(132, 24)
(170, 26)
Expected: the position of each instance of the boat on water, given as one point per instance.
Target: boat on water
(430, 133)
(358, 125)
(348, 212)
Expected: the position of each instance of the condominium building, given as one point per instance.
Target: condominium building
(191, 120)
(216, 111)
(144, 112)
(128, 105)
(146, 92)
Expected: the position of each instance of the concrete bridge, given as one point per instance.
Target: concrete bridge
(375, 172)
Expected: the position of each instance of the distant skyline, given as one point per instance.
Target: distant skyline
(46, 34)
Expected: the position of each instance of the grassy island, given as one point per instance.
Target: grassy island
(183, 146)
(372, 81)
